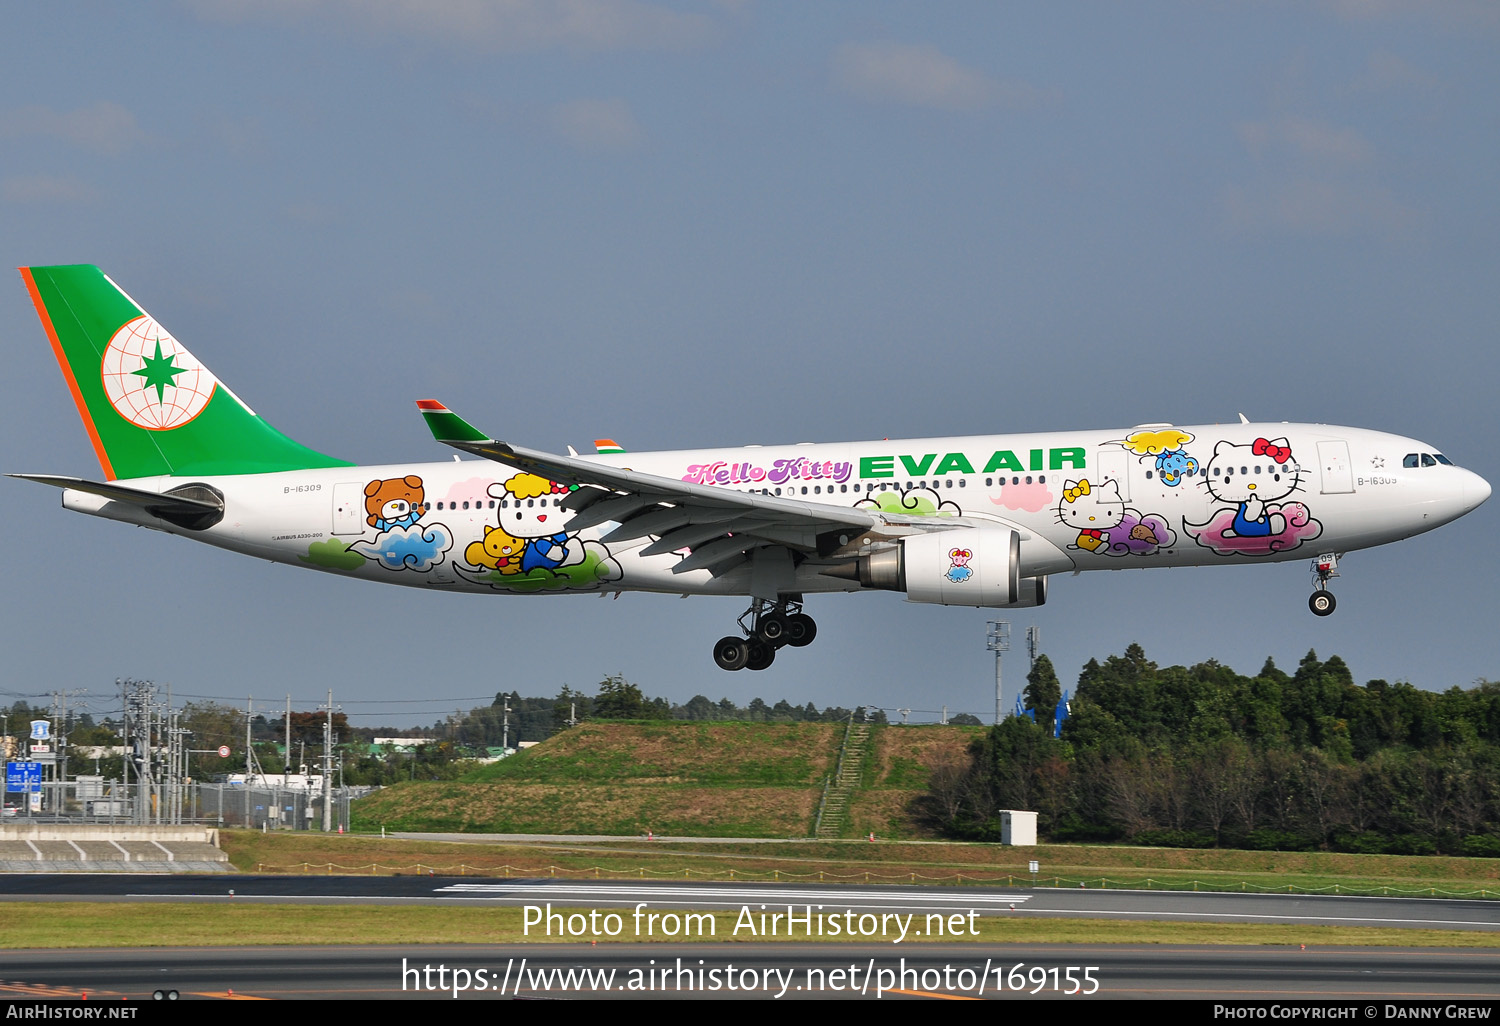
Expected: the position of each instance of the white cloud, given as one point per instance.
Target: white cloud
(922, 76)
(591, 124)
(488, 25)
(1305, 139)
(105, 127)
(1314, 179)
(1385, 72)
(46, 189)
(1319, 208)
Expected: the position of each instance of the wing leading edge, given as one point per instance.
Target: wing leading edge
(721, 527)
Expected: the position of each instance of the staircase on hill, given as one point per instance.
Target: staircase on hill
(833, 810)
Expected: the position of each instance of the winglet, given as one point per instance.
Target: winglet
(447, 426)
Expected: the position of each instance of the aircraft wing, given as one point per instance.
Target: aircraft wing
(720, 525)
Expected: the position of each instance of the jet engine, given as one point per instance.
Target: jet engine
(964, 567)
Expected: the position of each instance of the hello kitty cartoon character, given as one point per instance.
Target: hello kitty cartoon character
(531, 510)
(1092, 510)
(1253, 486)
(1229, 481)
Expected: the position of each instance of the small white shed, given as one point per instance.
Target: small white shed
(1017, 827)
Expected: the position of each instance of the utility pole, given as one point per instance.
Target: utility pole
(505, 726)
(1033, 642)
(997, 640)
(286, 766)
(249, 755)
(328, 767)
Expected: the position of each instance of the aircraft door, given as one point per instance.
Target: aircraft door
(349, 508)
(1335, 468)
(1114, 464)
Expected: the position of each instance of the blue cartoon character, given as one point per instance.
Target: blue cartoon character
(1172, 464)
(532, 511)
(960, 571)
(397, 502)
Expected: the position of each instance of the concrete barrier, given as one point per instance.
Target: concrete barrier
(110, 848)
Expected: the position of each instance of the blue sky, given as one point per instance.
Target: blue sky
(721, 223)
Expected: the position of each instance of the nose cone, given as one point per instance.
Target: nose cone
(1476, 490)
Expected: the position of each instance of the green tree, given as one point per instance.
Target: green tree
(618, 699)
(570, 705)
(700, 708)
(1043, 690)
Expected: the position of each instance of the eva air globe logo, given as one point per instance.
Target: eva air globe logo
(151, 380)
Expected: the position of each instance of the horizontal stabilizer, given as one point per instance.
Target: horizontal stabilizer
(194, 506)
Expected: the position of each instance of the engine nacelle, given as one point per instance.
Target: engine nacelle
(963, 567)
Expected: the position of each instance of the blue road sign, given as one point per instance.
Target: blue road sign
(19, 774)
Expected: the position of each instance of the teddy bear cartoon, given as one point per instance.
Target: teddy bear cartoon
(397, 502)
(498, 551)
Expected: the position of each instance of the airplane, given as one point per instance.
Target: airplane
(979, 521)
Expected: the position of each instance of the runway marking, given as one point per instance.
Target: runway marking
(1219, 916)
(738, 896)
(932, 994)
(227, 995)
(37, 990)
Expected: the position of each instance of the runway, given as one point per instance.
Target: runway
(781, 971)
(863, 965)
(1180, 906)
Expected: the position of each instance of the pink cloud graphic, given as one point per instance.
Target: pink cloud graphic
(1218, 533)
(1033, 498)
(472, 489)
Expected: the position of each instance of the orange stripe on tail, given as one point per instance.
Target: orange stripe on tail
(57, 349)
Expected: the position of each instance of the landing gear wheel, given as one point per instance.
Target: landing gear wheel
(800, 630)
(772, 629)
(762, 655)
(732, 653)
(1322, 603)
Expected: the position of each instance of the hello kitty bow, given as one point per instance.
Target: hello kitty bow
(1279, 453)
(1071, 494)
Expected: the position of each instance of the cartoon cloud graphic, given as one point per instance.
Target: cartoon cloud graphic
(1154, 443)
(416, 548)
(597, 568)
(1140, 535)
(1218, 533)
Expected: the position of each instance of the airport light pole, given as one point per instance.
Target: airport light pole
(997, 640)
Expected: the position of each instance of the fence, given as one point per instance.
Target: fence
(210, 804)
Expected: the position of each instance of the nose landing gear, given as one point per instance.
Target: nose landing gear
(1324, 568)
(772, 626)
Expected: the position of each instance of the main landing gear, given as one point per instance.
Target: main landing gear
(772, 625)
(1324, 568)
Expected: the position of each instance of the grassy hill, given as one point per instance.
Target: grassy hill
(896, 777)
(706, 779)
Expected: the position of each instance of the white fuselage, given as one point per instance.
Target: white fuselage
(1081, 500)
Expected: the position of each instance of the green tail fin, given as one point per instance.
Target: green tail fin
(149, 406)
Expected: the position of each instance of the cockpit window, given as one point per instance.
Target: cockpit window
(1445, 461)
(1428, 461)
(1410, 460)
